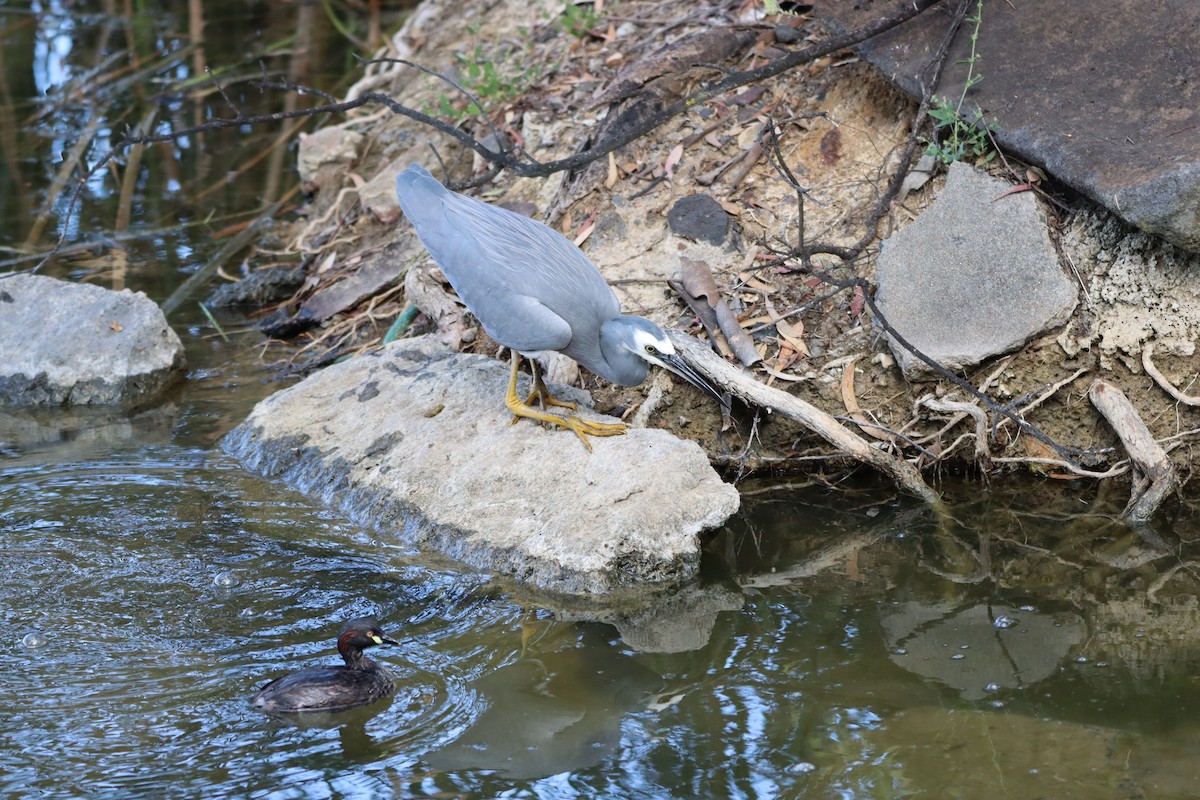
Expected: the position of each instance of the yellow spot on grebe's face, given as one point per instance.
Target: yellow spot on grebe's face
(375, 638)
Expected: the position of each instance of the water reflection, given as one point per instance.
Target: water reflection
(552, 711)
(814, 660)
(965, 649)
(78, 76)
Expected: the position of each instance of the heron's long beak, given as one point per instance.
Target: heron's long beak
(684, 370)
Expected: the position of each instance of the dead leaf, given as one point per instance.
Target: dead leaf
(673, 158)
(115, 327)
(787, 356)
(698, 282)
(793, 335)
(856, 304)
(850, 401)
(831, 147)
(754, 282)
(329, 261)
(611, 180)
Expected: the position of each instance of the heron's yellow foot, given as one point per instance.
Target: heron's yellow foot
(583, 428)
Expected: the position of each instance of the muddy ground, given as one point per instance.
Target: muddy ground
(544, 78)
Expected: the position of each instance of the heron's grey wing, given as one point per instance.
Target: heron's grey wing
(526, 256)
(487, 278)
(504, 265)
(538, 258)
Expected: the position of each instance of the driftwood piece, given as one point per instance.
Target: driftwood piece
(727, 378)
(1153, 475)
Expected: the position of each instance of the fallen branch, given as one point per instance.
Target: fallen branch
(1153, 474)
(726, 378)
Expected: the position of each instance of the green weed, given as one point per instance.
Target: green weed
(955, 137)
(480, 74)
(578, 20)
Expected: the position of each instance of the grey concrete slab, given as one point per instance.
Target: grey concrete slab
(1104, 96)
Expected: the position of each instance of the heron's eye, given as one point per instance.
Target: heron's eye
(651, 349)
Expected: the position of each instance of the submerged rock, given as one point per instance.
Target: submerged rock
(416, 439)
(65, 343)
(974, 276)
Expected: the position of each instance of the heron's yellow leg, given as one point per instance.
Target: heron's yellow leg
(542, 394)
(583, 428)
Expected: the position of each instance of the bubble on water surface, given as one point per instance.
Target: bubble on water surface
(226, 580)
(35, 639)
(1004, 622)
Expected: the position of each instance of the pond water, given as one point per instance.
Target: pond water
(841, 644)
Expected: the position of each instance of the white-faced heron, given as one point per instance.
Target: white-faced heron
(534, 290)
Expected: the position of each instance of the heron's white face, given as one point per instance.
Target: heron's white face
(652, 348)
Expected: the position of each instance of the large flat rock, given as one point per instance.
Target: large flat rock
(1104, 96)
(416, 440)
(972, 277)
(65, 344)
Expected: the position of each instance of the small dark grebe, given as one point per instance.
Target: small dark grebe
(359, 682)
